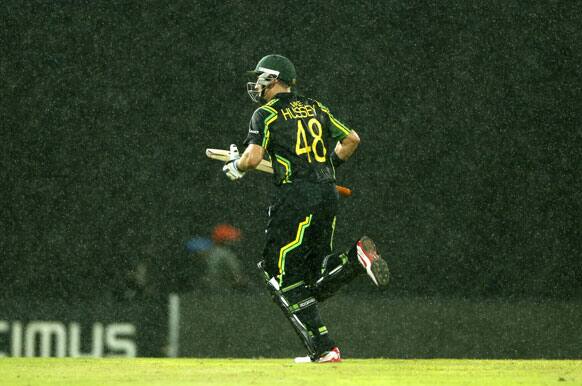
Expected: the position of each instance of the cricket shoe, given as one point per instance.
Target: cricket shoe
(375, 266)
(330, 356)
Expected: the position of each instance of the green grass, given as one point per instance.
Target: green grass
(102, 372)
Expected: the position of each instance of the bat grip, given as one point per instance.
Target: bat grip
(343, 191)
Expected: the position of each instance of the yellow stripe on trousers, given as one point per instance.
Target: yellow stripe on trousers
(292, 245)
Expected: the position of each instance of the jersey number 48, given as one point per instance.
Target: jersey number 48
(303, 147)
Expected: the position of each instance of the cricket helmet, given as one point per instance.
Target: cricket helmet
(270, 68)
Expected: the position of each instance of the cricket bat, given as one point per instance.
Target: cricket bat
(265, 167)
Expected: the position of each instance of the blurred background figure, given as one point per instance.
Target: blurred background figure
(199, 244)
(220, 264)
(223, 265)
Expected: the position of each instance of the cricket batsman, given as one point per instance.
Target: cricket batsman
(306, 143)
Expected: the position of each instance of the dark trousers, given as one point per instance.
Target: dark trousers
(298, 253)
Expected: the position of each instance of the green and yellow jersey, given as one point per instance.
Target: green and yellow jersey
(299, 134)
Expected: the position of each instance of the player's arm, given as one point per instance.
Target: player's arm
(251, 158)
(237, 165)
(256, 140)
(345, 148)
(348, 140)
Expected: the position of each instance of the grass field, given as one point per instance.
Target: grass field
(102, 372)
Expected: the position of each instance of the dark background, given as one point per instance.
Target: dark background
(468, 175)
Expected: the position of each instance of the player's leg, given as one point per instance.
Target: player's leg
(332, 271)
(288, 265)
(370, 260)
(335, 273)
(284, 304)
(338, 269)
(301, 309)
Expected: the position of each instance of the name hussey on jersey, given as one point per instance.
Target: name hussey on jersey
(298, 110)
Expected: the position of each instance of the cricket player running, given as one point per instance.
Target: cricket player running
(306, 144)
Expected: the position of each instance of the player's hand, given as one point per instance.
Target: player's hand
(231, 169)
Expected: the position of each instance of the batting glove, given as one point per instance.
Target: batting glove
(231, 169)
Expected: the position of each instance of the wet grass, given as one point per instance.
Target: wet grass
(115, 371)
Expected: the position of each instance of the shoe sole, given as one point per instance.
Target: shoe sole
(333, 356)
(335, 360)
(375, 266)
(308, 360)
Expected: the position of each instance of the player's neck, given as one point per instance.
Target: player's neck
(278, 89)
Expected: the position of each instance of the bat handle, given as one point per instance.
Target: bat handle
(343, 191)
